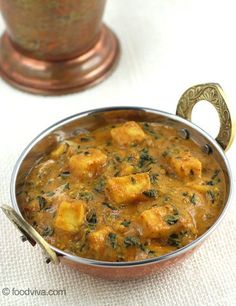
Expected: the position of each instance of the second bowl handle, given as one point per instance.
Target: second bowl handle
(214, 94)
(29, 233)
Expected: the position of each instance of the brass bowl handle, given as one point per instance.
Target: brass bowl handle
(214, 94)
(29, 233)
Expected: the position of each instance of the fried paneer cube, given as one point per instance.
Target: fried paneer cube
(88, 164)
(59, 150)
(186, 165)
(161, 222)
(70, 216)
(128, 133)
(97, 240)
(127, 189)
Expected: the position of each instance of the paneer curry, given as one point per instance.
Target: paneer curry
(123, 192)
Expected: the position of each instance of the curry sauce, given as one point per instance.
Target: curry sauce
(123, 192)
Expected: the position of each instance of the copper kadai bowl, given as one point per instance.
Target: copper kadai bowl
(93, 119)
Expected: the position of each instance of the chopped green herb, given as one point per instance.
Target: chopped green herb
(143, 248)
(86, 196)
(120, 258)
(117, 173)
(64, 174)
(126, 223)
(66, 186)
(193, 199)
(42, 202)
(153, 177)
(30, 183)
(82, 247)
(129, 158)
(79, 149)
(146, 249)
(85, 234)
(85, 139)
(131, 241)
(152, 253)
(109, 206)
(148, 129)
(174, 240)
(212, 196)
(215, 174)
(112, 240)
(145, 159)
(47, 231)
(213, 182)
(210, 183)
(49, 193)
(152, 193)
(208, 216)
(100, 185)
(91, 218)
(165, 153)
(171, 219)
(166, 199)
(133, 180)
(118, 158)
(146, 125)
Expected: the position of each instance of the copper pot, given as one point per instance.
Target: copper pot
(90, 120)
(55, 47)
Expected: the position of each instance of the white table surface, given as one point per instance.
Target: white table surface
(167, 46)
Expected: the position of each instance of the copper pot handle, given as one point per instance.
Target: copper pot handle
(214, 94)
(29, 233)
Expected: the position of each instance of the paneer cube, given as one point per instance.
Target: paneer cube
(152, 222)
(128, 133)
(97, 240)
(88, 164)
(70, 216)
(127, 189)
(186, 165)
(159, 222)
(59, 151)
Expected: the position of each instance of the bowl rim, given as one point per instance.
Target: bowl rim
(108, 264)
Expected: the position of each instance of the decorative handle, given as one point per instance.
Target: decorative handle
(214, 94)
(29, 233)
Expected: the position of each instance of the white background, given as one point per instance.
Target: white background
(167, 46)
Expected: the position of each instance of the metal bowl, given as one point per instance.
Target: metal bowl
(93, 119)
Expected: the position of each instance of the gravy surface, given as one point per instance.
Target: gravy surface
(123, 192)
